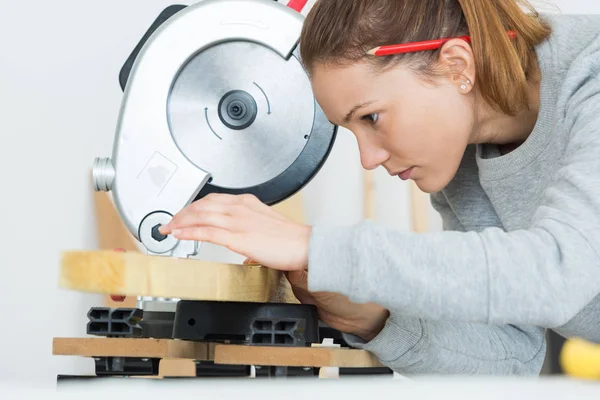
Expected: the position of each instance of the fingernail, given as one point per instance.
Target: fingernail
(176, 232)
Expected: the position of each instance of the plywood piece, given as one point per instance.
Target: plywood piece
(135, 274)
(219, 353)
(129, 347)
(294, 356)
(176, 368)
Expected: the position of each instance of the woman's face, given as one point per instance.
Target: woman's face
(415, 129)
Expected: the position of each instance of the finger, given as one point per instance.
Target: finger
(224, 198)
(304, 297)
(298, 279)
(183, 218)
(212, 204)
(249, 261)
(233, 205)
(247, 200)
(207, 218)
(209, 234)
(299, 283)
(189, 213)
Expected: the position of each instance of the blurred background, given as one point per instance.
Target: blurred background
(59, 103)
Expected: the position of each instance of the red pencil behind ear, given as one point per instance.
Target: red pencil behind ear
(297, 5)
(393, 49)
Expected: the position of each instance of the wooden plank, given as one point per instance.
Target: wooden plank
(294, 356)
(110, 229)
(129, 347)
(135, 274)
(219, 353)
(169, 367)
(112, 234)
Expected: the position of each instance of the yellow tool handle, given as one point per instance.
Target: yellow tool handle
(581, 359)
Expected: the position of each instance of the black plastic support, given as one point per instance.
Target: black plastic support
(285, 372)
(326, 332)
(247, 323)
(126, 366)
(114, 322)
(210, 369)
(158, 324)
(366, 371)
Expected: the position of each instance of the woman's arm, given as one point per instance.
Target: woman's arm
(541, 276)
(413, 346)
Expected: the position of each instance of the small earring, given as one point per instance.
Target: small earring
(464, 85)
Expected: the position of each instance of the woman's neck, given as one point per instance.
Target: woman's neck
(506, 131)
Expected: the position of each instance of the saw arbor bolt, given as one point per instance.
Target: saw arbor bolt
(237, 109)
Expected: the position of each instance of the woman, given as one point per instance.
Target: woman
(503, 131)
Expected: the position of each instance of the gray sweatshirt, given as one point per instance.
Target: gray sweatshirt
(519, 251)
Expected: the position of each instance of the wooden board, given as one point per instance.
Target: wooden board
(219, 353)
(135, 274)
(126, 347)
(176, 368)
(110, 229)
(112, 234)
(294, 356)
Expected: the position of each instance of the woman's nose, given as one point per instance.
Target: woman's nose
(372, 156)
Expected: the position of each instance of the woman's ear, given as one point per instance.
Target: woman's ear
(456, 56)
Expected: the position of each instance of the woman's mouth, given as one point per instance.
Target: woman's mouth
(405, 175)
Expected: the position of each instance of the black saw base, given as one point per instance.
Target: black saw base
(247, 323)
(252, 324)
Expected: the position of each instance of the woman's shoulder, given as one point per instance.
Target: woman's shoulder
(572, 35)
(573, 26)
(571, 58)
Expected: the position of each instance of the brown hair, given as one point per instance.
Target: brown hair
(338, 32)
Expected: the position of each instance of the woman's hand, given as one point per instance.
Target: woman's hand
(246, 226)
(362, 320)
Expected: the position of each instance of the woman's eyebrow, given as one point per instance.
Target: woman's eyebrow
(350, 114)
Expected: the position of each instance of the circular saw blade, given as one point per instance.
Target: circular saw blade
(248, 117)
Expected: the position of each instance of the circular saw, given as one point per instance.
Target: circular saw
(216, 100)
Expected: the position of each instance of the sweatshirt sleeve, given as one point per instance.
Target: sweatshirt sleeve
(412, 346)
(409, 345)
(543, 275)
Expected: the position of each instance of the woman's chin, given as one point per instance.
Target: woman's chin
(429, 185)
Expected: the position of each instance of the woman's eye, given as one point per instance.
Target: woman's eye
(372, 118)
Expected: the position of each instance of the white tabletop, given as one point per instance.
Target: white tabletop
(545, 388)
